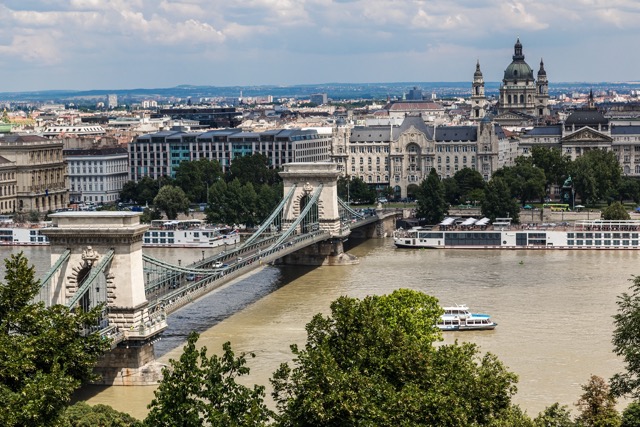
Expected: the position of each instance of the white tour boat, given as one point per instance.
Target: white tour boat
(459, 318)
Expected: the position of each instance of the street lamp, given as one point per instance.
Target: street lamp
(203, 255)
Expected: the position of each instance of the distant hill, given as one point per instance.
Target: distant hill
(334, 91)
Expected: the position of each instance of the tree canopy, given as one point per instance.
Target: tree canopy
(525, 181)
(431, 204)
(171, 200)
(201, 390)
(615, 212)
(498, 202)
(43, 355)
(597, 405)
(355, 190)
(196, 176)
(626, 342)
(596, 175)
(373, 362)
(253, 169)
(554, 164)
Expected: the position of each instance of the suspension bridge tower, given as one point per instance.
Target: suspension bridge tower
(97, 259)
(304, 180)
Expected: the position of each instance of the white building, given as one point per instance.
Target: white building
(97, 175)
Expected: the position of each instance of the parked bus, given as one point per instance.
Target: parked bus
(557, 207)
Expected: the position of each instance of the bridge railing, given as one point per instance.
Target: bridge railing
(175, 299)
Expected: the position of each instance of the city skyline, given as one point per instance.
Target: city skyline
(122, 44)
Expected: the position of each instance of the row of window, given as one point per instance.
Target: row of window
(602, 242)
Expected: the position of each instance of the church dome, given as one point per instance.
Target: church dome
(518, 69)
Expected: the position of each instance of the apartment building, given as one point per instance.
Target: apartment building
(158, 154)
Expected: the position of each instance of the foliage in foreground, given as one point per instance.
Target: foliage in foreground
(83, 415)
(373, 362)
(201, 390)
(626, 342)
(43, 356)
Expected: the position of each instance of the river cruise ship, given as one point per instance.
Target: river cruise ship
(161, 233)
(192, 233)
(470, 233)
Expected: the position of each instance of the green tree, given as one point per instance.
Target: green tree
(360, 192)
(596, 176)
(629, 189)
(525, 181)
(195, 177)
(200, 390)
(129, 192)
(554, 416)
(513, 417)
(432, 205)
(343, 187)
(269, 196)
(452, 192)
(172, 201)
(614, 212)
(631, 415)
(626, 342)
(253, 168)
(553, 163)
(498, 202)
(83, 415)
(248, 201)
(597, 406)
(373, 362)
(468, 181)
(43, 355)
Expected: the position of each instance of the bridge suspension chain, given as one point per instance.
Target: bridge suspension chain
(44, 285)
(104, 261)
(269, 221)
(312, 201)
(345, 206)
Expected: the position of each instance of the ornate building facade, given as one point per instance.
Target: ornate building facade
(588, 129)
(402, 156)
(40, 172)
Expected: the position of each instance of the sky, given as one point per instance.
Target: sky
(126, 44)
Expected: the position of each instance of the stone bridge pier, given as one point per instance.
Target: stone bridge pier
(90, 236)
(306, 178)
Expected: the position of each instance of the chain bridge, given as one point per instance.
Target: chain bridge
(97, 260)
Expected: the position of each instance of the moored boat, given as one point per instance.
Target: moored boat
(481, 234)
(188, 234)
(162, 233)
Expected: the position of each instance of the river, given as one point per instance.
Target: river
(553, 308)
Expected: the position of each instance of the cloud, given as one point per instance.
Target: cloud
(179, 37)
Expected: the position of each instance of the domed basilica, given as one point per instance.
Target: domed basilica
(521, 95)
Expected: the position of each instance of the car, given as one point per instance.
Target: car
(383, 200)
(528, 207)
(217, 264)
(191, 277)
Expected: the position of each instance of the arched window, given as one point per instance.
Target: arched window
(521, 99)
(509, 99)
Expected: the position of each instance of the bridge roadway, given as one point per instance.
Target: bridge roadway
(166, 296)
